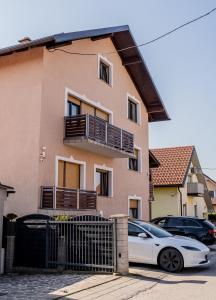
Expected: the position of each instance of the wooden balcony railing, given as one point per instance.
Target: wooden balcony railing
(63, 198)
(97, 129)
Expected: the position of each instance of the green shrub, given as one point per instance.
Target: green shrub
(212, 217)
(62, 218)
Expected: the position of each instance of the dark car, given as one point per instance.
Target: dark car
(196, 228)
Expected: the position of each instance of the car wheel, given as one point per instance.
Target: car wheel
(171, 260)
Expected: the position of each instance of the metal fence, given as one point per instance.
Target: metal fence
(86, 243)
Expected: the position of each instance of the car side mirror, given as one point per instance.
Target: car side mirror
(143, 235)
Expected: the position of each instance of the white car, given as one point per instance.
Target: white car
(150, 244)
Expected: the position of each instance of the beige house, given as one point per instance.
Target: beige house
(211, 185)
(74, 123)
(179, 184)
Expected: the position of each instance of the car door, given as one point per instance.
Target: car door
(139, 249)
(175, 226)
(193, 228)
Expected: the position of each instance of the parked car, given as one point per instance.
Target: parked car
(196, 228)
(150, 244)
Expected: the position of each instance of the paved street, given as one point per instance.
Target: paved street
(197, 283)
(144, 282)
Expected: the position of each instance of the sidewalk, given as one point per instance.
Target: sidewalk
(109, 287)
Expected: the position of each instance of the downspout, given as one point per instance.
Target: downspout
(180, 200)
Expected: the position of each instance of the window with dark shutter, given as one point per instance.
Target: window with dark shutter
(104, 72)
(134, 162)
(132, 111)
(102, 182)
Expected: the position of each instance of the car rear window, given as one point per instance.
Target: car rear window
(191, 223)
(208, 224)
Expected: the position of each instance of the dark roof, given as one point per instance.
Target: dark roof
(153, 161)
(131, 59)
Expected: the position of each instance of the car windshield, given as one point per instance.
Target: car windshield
(154, 230)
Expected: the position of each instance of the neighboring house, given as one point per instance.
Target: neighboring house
(74, 128)
(4, 191)
(179, 184)
(211, 185)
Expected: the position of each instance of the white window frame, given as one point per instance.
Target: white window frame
(138, 105)
(110, 170)
(72, 160)
(104, 60)
(83, 98)
(139, 160)
(135, 197)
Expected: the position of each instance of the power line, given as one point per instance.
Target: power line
(143, 44)
(171, 31)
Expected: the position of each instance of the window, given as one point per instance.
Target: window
(105, 72)
(195, 211)
(191, 223)
(134, 162)
(134, 230)
(175, 222)
(132, 110)
(73, 109)
(68, 175)
(154, 229)
(102, 182)
(161, 222)
(184, 209)
(212, 194)
(134, 209)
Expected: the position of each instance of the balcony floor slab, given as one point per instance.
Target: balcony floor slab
(93, 146)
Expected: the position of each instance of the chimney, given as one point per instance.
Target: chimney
(25, 40)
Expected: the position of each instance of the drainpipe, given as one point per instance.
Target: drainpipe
(180, 201)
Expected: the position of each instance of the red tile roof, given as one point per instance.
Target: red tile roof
(174, 163)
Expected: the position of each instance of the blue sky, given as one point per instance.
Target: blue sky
(183, 65)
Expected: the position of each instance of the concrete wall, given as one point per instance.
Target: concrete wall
(32, 86)
(20, 103)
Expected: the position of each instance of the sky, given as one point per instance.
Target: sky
(182, 65)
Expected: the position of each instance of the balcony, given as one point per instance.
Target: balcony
(96, 135)
(67, 199)
(195, 189)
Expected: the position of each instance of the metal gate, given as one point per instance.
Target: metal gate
(86, 243)
(31, 241)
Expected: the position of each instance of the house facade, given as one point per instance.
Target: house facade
(211, 185)
(179, 184)
(74, 115)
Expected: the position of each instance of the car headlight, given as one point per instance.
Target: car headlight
(190, 248)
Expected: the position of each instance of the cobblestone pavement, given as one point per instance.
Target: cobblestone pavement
(143, 282)
(34, 286)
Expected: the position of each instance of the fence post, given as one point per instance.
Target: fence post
(54, 197)
(9, 261)
(61, 251)
(78, 197)
(122, 265)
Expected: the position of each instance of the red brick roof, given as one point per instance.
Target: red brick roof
(174, 163)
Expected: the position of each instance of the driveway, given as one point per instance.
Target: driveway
(143, 282)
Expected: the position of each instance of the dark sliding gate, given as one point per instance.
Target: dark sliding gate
(31, 241)
(86, 243)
